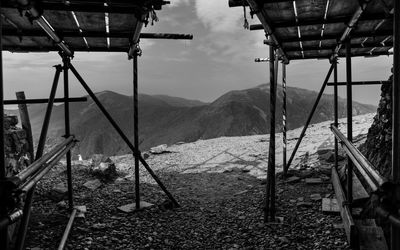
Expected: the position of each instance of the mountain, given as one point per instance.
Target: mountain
(169, 120)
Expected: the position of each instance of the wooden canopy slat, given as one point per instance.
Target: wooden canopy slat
(324, 24)
(79, 24)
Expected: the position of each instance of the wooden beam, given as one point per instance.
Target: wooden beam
(349, 225)
(361, 83)
(121, 7)
(353, 46)
(354, 35)
(240, 3)
(332, 20)
(367, 54)
(98, 34)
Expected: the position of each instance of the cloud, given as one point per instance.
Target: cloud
(175, 3)
(217, 16)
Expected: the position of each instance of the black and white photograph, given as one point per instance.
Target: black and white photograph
(200, 124)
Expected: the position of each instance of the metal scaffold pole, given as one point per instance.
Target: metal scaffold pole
(136, 129)
(269, 212)
(349, 120)
(66, 66)
(335, 107)
(284, 128)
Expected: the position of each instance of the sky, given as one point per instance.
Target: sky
(219, 59)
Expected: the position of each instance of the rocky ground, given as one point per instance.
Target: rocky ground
(218, 211)
(220, 186)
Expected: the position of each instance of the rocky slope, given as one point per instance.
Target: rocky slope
(170, 120)
(378, 146)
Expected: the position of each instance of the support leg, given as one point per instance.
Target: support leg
(284, 140)
(349, 121)
(269, 214)
(136, 129)
(123, 136)
(66, 65)
(335, 107)
(395, 232)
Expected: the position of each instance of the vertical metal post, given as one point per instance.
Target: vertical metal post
(395, 232)
(136, 128)
(66, 65)
(336, 111)
(3, 210)
(23, 228)
(269, 212)
(284, 140)
(349, 120)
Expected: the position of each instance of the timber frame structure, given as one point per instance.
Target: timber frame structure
(330, 29)
(66, 27)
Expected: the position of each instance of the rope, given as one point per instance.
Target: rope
(246, 22)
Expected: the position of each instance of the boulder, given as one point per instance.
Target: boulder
(59, 192)
(104, 168)
(92, 184)
(161, 149)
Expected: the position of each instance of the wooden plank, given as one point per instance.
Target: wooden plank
(360, 195)
(26, 123)
(314, 181)
(349, 225)
(330, 206)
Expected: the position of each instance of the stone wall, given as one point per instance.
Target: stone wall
(16, 146)
(378, 146)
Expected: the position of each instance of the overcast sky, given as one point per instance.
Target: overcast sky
(219, 59)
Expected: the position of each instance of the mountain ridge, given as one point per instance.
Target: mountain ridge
(169, 120)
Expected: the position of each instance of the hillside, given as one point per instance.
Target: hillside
(170, 120)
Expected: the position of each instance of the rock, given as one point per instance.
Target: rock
(241, 192)
(304, 204)
(314, 181)
(161, 149)
(284, 240)
(105, 170)
(166, 205)
(81, 210)
(92, 184)
(132, 207)
(98, 226)
(315, 197)
(10, 121)
(293, 179)
(59, 192)
(146, 156)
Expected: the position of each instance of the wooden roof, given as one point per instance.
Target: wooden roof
(87, 25)
(305, 29)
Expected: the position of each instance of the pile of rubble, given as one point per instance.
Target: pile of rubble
(16, 146)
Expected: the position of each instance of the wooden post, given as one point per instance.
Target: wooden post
(26, 123)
